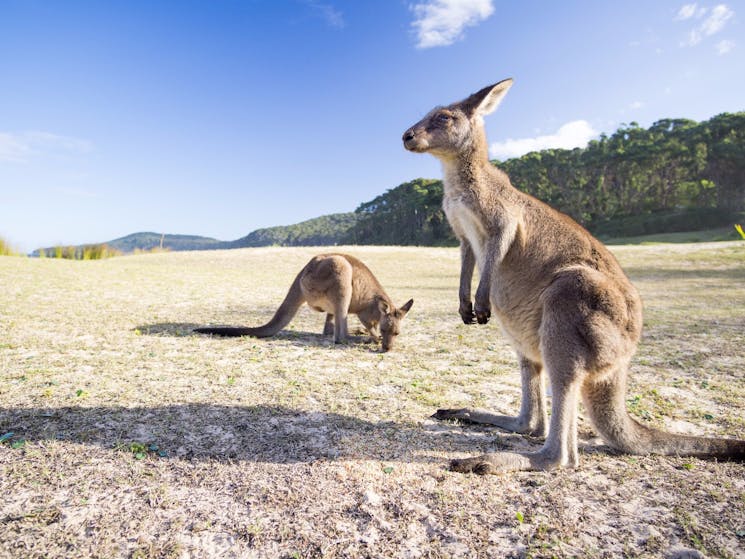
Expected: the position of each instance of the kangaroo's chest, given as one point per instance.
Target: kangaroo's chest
(467, 225)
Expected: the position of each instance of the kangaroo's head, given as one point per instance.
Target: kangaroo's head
(447, 132)
(390, 322)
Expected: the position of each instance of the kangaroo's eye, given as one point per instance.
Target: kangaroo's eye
(442, 118)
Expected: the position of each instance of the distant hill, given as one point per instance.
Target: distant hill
(148, 240)
(327, 230)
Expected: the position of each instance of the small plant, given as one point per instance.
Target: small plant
(139, 450)
(142, 450)
(14, 444)
(85, 252)
(6, 249)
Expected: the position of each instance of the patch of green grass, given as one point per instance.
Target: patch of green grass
(705, 236)
(739, 229)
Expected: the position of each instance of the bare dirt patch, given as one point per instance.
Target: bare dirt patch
(132, 437)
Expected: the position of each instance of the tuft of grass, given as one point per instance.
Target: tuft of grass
(85, 252)
(6, 249)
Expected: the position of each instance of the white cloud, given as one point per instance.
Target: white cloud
(688, 11)
(714, 23)
(12, 148)
(332, 16)
(571, 135)
(717, 20)
(723, 47)
(21, 147)
(636, 105)
(440, 23)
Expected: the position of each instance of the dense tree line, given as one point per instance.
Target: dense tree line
(410, 214)
(676, 175)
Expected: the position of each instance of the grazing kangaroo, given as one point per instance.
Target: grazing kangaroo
(560, 296)
(337, 284)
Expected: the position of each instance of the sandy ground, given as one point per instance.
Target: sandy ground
(131, 437)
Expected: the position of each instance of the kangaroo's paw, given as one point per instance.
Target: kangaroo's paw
(476, 465)
(500, 462)
(523, 425)
(460, 414)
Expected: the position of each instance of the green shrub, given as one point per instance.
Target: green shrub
(6, 249)
(84, 252)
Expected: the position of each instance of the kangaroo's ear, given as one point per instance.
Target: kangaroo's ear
(485, 101)
(406, 307)
(383, 307)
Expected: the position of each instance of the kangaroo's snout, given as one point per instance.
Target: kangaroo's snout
(414, 142)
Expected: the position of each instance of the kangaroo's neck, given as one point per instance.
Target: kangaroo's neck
(470, 172)
(367, 289)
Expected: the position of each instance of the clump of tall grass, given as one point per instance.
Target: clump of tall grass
(85, 252)
(6, 249)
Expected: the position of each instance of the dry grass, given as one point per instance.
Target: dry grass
(134, 438)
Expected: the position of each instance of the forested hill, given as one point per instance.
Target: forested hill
(676, 175)
(320, 231)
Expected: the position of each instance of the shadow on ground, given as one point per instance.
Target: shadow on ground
(296, 337)
(253, 433)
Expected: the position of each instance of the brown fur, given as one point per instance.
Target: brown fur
(337, 284)
(560, 296)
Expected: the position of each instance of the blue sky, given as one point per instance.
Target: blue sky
(217, 118)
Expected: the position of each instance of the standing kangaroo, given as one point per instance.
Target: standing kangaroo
(337, 284)
(560, 296)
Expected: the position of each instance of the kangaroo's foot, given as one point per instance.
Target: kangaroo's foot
(523, 425)
(501, 462)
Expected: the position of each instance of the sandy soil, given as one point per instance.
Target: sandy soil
(131, 437)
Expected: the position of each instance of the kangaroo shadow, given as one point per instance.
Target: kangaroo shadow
(296, 337)
(279, 435)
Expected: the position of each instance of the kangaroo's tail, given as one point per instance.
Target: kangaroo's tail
(605, 401)
(286, 311)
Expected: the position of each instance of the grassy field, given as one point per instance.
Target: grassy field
(132, 437)
(703, 236)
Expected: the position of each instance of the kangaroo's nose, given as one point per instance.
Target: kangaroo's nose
(408, 135)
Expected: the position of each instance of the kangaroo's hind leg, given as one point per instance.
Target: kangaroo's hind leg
(341, 311)
(342, 299)
(328, 327)
(558, 451)
(531, 420)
